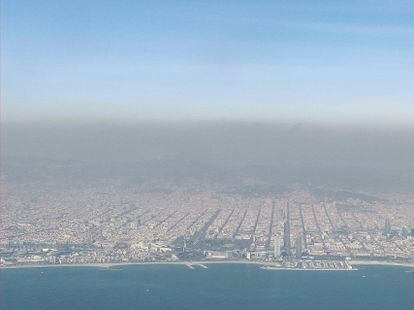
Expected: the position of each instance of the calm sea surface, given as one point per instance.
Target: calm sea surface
(218, 287)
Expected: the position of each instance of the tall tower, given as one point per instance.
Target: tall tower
(184, 246)
(276, 247)
(387, 227)
(286, 233)
(298, 247)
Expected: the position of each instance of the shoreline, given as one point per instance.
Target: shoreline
(379, 263)
(110, 265)
(201, 263)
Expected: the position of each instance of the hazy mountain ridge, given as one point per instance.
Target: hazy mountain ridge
(279, 154)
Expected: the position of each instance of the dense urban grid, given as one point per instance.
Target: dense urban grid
(171, 223)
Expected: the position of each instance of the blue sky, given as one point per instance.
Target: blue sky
(142, 60)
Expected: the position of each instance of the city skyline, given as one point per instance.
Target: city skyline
(206, 154)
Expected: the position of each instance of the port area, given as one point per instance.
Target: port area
(309, 265)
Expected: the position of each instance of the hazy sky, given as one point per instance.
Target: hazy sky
(351, 157)
(300, 60)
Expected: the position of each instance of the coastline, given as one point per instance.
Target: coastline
(201, 263)
(110, 265)
(379, 263)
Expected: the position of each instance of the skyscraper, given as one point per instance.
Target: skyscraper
(404, 232)
(286, 233)
(387, 227)
(276, 247)
(298, 247)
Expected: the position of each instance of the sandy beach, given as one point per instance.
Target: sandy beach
(200, 264)
(110, 265)
(379, 263)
